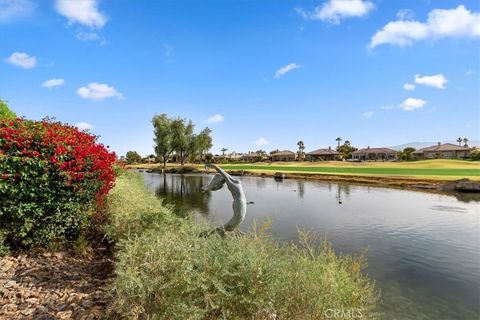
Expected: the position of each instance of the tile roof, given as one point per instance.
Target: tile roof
(321, 152)
(374, 150)
(443, 147)
(283, 153)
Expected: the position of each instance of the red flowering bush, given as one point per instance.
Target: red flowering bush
(51, 177)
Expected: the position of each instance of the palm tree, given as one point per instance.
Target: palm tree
(347, 143)
(465, 141)
(301, 148)
(338, 140)
(459, 140)
(223, 151)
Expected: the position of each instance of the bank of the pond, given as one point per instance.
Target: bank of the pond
(430, 175)
(164, 269)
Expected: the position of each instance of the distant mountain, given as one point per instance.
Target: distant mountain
(419, 145)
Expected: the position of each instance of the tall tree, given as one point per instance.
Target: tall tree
(204, 142)
(223, 151)
(162, 129)
(5, 112)
(301, 150)
(338, 142)
(459, 140)
(465, 141)
(133, 157)
(183, 138)
(407, 153)
(262, 155)
(346, 150)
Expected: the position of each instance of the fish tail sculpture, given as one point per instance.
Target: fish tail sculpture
(235, 187)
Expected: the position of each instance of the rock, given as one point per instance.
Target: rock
(87, 304)
(467, 185)
(64, 314)
(279, 175)
(27, 312)
(31, 300)
(5, 265)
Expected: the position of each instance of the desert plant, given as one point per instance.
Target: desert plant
(165, 270)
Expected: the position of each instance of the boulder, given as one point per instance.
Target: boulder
(467, 185)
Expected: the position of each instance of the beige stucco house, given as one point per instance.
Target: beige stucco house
(443, 151)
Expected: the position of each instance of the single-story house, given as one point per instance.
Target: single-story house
(285, 155)
(443, 151)
(368, 153)
(234, 156)
(253, 157)
(323, 154)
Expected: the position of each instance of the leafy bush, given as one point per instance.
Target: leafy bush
(475, 155)
(51, 177)
(5, 112)
(165, 270)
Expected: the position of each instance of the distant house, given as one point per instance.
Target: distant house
(323, 155)
(252, 157)
(285, 155)
(443, 151)
(234, 156)
(368, 153)
(149, 159)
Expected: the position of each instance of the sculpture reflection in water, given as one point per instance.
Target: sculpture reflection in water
(235, 187)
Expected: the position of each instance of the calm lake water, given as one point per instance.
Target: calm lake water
(423, 249)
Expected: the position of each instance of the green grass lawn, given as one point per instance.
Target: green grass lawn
(363, 170)
(438, 169)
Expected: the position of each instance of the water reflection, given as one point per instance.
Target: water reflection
(424, 249)
(181, 191)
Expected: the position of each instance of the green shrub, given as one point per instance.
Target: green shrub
(165, 270)
(5, 112)
(51, 178)
(475, 155)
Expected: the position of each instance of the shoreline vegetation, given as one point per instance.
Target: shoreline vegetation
(164, 269)
(427, 175)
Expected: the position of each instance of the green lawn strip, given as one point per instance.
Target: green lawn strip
(371, 170)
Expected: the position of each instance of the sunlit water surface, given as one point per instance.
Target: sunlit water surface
(423, 249)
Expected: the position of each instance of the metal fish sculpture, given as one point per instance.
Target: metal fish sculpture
(235, 187)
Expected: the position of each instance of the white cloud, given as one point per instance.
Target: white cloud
(368, 114)
(261, 142)
(283, 70)
(441, 23)
(12, 9)
(409, 86)
(98, 91)
(411, 104)
(84, 12)
(87, 36)
(22, 60)
(52, 83)
(437, 80)
(405, 14)
(387, 107)
(216, 118)
(84, 126)
(335, 10)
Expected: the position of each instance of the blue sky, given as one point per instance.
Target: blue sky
(260, 74)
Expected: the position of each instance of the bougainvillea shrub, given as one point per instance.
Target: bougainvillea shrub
(52, 177)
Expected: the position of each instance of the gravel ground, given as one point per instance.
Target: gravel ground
(59, 285)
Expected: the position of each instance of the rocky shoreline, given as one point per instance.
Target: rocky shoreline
(60, 285)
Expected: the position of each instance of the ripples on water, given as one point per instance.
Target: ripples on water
(423, 249)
